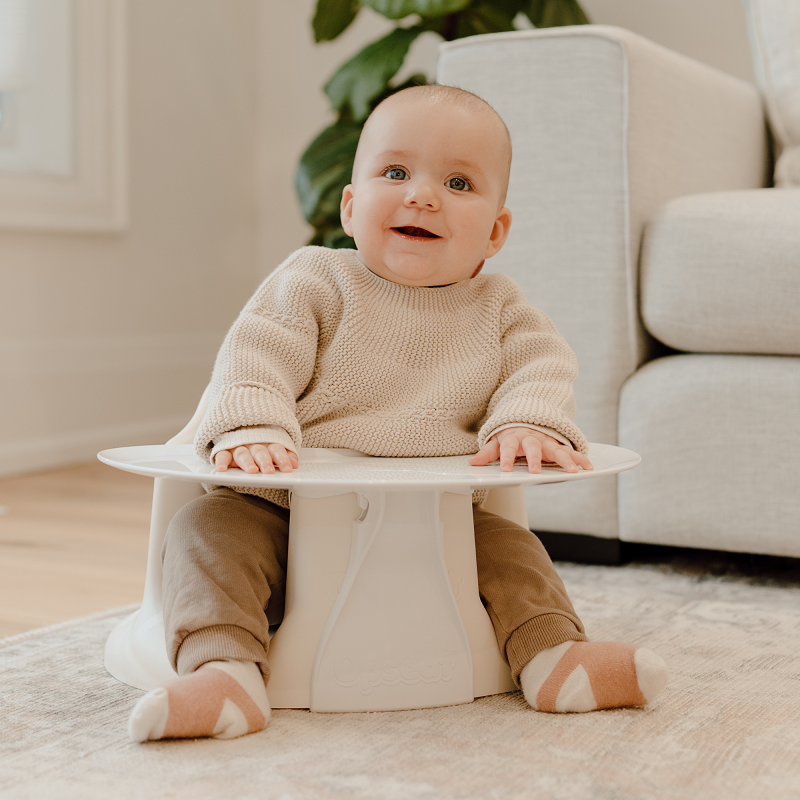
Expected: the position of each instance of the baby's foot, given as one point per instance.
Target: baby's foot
(223, 699)
(584, 676)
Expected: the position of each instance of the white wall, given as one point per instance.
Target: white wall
(712, 31)
(108, 339)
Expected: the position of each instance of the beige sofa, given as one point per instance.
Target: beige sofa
(643, 228)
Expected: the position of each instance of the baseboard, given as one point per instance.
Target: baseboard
(73, 448)
(581, 548)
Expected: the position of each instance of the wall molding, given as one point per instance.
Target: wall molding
(95, 196)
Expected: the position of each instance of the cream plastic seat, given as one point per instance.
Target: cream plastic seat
(323, 540)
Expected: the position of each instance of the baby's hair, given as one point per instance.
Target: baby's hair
(441, 93)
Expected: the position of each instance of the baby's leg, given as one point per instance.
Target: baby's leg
(537, 629)
(224, 582)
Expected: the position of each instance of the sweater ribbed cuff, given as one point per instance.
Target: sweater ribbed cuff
(559, 437)
(252, 434)
(537, 634)
(220, 643)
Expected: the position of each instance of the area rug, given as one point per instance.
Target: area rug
(727, 726)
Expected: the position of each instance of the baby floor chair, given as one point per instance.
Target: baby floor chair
(323, 546)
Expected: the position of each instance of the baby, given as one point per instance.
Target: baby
(401, 349)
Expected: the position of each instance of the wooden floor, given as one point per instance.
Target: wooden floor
(73, 541)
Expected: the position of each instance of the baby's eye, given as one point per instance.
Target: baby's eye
(396, 174)
(459, 184)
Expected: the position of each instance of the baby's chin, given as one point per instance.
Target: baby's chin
(413, 274)
(412, 270)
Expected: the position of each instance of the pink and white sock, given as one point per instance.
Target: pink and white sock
(585, 676)
(222, 699)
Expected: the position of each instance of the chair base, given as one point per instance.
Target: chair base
(382, 610)
(136, 653)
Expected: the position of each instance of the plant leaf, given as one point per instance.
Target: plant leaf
(332, 17)
(336, 238)
(487, 17)
(397, 9)
(555, 13)
(364, 77)
(324, 170)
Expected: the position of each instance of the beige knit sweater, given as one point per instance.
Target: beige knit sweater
(328, 354)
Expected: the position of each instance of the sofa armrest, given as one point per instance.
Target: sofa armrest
(606, 127)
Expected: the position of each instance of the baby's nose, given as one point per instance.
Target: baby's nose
(422, 195)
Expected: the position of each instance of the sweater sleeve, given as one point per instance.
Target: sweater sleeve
(538, 369)
(267, 359)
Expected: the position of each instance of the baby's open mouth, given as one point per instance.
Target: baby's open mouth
(417, 233)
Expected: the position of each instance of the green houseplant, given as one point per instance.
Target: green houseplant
(366, 79)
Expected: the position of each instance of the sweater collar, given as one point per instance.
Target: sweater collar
(378, 281)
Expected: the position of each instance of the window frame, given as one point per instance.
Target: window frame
(93, 194)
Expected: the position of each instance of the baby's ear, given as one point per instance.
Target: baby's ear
(346, 209)
(499, 232)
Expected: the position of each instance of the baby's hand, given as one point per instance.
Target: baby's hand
(535, 446)
(257, 457)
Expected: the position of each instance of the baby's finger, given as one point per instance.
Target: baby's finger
(222, 460)
(561, 455)
(262, 457)
(509, 448)
(533, 453)
(582, 461)
(243, 459)
(280, 457)
(566, 457)
(486, 455)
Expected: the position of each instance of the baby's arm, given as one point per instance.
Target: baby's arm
(257, 458)
(531, 412)
(265, 364)
(535, 446)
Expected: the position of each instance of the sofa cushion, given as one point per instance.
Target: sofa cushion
(720, 273)
(719, 437)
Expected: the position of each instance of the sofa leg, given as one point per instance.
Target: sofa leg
(580, 548)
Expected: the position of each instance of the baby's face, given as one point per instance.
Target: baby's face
(425, 205)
